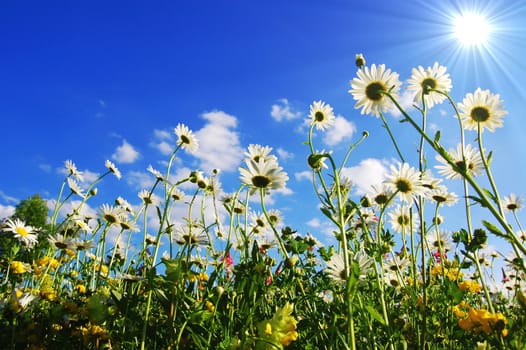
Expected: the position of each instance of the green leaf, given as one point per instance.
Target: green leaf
(493, 229)
(375, 314)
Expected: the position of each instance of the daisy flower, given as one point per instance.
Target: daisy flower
(512, 202)
(61, 242)
(381, 195)
(369, 88)
(440, 240)
(22, 232)
(155, 173)
(401, 219)
(75, 187)
(186, 138)
(110, 214)
(255, 152)
(470, 162)
(336, 265)
(483, 109)
(275, 217)
(177, 194)
(359, 60)
(149, 198)
(191, 236)
(263, 175)
(321, 115)
(406, 182)
(72, 170)
(424, 82)
(441, 196)
(317, 160)
(336, 268)
(112, 168)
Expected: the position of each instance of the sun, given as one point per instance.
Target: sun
(471, 29)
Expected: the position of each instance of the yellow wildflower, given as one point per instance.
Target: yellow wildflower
(280, 330)
(18, 267)
(470, 286)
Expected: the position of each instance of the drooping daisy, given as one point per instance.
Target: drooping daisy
(22, 232)
(406, 182)
(186, 138)
(110, 214)
(483, 109)
(177, 194)
(75, 187)
(72, 170)
(402, 220)
(317, 160)
(275, 217)
(439, 241)
(381, 195)
(471, 162)
(124, 204)
(258, 222)
(255, 152)
(149, 198)
(512, 202)
(443, 197)
(336, 268)
(112, 168)
(426, 81)
(190, 235)
(321, 115)
(61, 242)
(263, 175)
(155, 173)
(370, 87)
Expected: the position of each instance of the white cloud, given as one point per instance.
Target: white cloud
(282, 111)
(125, 153)
(369, 172)
(8, 198)
(303, 175)
(140, 180)
(6, 211)
(162, 134)
(315, 222)
(164, 147)
(406, 101)
(283, 154)
(341, 130)
(45, 167)
(219, 145)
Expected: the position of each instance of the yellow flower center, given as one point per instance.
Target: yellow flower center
(480, 114)
(428, 84)
(21, 231)
(374, 90)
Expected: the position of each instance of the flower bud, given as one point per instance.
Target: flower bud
(359, 60)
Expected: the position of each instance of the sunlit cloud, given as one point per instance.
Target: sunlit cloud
(284, 154)
(6, 211)
(219, 145)
(342, 130)
(282, 110)
(303, 175)
(370, 171)
(125, 153)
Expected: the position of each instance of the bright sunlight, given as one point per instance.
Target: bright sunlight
(471, 29)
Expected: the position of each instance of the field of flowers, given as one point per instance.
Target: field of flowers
(396, 280)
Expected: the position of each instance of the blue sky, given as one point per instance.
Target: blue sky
(97, 80)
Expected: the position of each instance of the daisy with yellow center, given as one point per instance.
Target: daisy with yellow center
(370, 86)
(466, 161)
(406, 182)
(402, 220)
(186, 138)
(321, 115)
(22, 232)
(426, 82)
(482, 109)
(263, 174)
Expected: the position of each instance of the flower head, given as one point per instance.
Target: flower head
(263, 175)
(321, 115)
(482, 109)
(467, 160)
(186, 138)
(406, 182)
(75, 187)
(71, 168)
(426, 82)
(255, 152)
(401, 219)
(512, 202)
(370, 87)
(112, 168)
(24, 233)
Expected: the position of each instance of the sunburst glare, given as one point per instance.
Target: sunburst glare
(472, 28)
